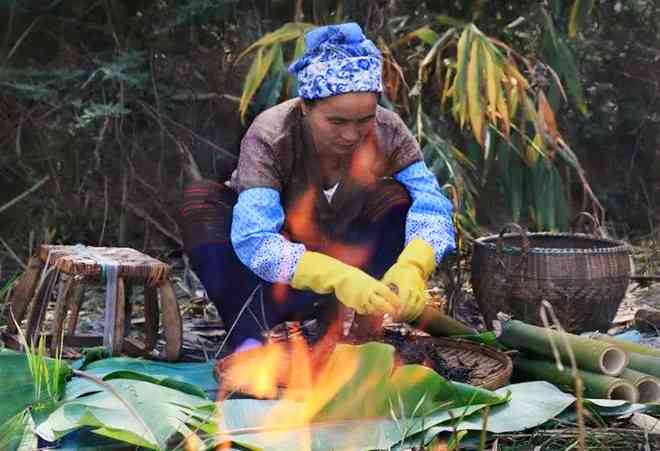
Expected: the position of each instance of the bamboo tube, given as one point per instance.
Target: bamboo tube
(590, 355)
(595, 385)
(647, 386)
(628, 346)
(644, 363)
(437, 324)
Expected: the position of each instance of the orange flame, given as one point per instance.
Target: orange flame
(290, 371)
(301, 220)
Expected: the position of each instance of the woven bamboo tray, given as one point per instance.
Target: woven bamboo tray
(490, 368)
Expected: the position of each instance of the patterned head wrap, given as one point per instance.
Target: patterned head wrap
(338, 59)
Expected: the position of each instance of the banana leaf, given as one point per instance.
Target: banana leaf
(192, 378)
(18, 390)
(159, 414)
(16, 433)
(531, 404)
(19, 393)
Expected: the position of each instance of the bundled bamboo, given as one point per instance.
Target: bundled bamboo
(590, 355)
(595, 385)
(647, 386)
(644, 363)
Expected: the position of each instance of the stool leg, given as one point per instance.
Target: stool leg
(39, 303)
(75, 303)
(120, 318)
(128, 306)
(151, 317)
(23, 293)
(172, 325)
(59, 315)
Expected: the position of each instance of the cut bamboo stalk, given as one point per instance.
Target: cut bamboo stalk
(644, 363)
(590, 355)
(628, 346)
(647, 386)
(596, 385)
(437, 324)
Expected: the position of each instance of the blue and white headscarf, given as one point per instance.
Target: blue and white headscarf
(338, 59)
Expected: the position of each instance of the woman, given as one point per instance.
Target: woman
(333, 202)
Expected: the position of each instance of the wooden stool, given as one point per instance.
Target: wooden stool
(80, 265)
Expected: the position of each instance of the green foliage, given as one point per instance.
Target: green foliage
(126, 67)
(203, 11)
(555, 51)
(96, 111)
(37, 85)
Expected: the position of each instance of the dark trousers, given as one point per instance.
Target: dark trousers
(248, 305)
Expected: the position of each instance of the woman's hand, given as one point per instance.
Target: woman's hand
(408, 278)
(352, 287)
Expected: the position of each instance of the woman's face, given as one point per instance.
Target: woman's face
(340, 123)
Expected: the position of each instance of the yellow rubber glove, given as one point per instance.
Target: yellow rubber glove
(352, 287)
(409, 275)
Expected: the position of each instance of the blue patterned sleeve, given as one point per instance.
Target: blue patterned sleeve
(255, 235)
(430, 215)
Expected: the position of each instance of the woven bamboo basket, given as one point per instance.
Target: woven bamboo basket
(583, 276)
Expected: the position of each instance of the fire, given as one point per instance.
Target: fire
(301, 220)
(293, 372)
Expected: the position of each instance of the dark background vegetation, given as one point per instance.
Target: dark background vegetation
(101, 103)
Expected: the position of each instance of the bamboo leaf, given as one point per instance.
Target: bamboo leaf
(286, 32)
(513, 72)
(533, 152)
(557, 54)
(475, 106)
(270, 90)
(546, 123)
(529, 109)
(451, 21)
(447, 87)
(579, 11)
(424, 34)
(300, 47)
(503, 112)
(437, 48)
(256, 74)
(514, 100)
(493, 84)
(459, 86)
(291, 82)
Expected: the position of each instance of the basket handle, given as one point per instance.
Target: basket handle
(521, 231)
(596, 229)
(524, 244)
